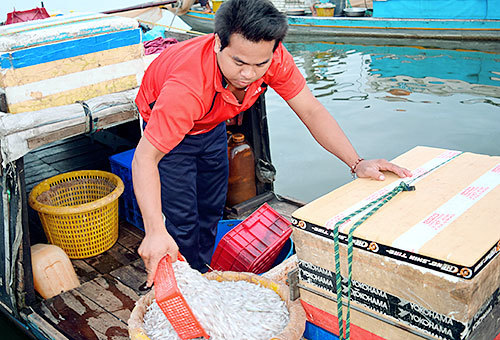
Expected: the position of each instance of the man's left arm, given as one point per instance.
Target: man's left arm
(327, 132)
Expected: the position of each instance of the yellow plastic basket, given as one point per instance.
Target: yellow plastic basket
(79, 211)
(216, 4)
(325, 11)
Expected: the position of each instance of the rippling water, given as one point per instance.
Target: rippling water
(388, 99)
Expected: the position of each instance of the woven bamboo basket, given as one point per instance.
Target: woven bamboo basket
(293, 331)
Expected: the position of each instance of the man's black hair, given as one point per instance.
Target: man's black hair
(255, 20)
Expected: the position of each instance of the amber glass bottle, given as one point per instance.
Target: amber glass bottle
(241, 184)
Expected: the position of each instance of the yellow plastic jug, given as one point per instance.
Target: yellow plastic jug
(53, 272)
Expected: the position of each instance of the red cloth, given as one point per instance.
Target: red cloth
(22, 16)
(158, 45)
(183, 81)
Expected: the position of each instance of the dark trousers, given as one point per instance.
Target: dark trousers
(193, 192)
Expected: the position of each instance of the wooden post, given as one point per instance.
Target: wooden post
(25, 285)
(16, 290)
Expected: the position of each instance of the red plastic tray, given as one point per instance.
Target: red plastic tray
(23, 16)
(172, 303)
(254, 244)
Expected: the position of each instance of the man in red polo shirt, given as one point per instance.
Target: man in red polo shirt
(187, 93)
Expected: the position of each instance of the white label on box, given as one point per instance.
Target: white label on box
(431, 225)
(417, 175)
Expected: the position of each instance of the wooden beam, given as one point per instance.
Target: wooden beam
(35, 142)
(42, 326)
(23, 132)
(141, 6)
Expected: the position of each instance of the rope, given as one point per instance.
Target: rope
(90, 127)
(377, 204)
(381, 201)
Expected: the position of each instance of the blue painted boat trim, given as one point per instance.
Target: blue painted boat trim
(67, 36)
(67, 49)
(379, 23)
(375, 23)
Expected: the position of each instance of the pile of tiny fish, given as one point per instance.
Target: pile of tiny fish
(226, 310)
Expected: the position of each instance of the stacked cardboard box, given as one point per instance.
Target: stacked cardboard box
(64, 59)
(425, 264)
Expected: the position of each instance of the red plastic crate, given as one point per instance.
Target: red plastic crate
(254, 244)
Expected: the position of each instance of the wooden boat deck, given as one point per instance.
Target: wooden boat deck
(101, 306)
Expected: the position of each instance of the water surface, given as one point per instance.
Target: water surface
(388, 99)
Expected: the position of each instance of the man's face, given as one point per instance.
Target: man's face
(243, 61)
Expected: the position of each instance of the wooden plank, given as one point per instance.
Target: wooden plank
(31, 181)
(84, 271)
(29, 158)
(87, 161)
(112, 259)
(126, 115)
(39, 140)
(79, 318)
(32, 164)
(37, 234)
(111, 295)
(285, 206)
(129, 238)
(94, 149)
(46, 99)
(37, 321)
(39, 128)
(61, 146)
(134, 275)
(37, 168)
(57, 68)
(77, 140)
(132, 229)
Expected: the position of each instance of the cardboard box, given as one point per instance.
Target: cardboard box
(427, 259)
(64, 59)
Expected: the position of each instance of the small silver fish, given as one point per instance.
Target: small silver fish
(237, 310)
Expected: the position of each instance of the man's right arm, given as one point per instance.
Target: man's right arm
(146, 179)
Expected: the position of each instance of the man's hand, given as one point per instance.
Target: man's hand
(153, 247)
(373, 169)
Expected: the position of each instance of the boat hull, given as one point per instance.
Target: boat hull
(369, 27)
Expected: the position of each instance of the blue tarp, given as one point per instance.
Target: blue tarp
(437, 9)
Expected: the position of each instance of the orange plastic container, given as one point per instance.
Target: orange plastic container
(53, 272)
(254, 244)
(241, 183)
(172, 303)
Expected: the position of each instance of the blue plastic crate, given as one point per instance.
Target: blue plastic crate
(222, 228)
(121, 165)
(313, 332)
